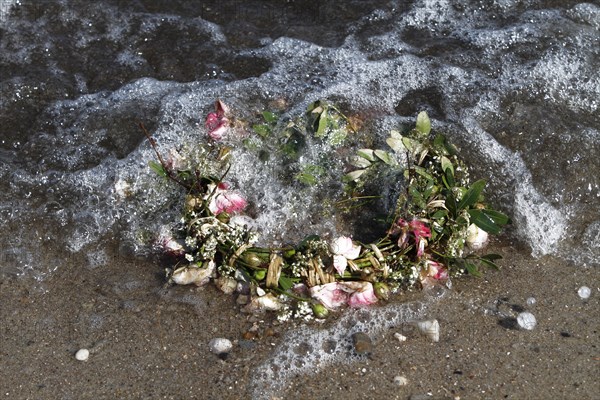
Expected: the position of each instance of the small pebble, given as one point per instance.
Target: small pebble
(526, 320)
(531, 301)
(362, 343)
(82, 354)
(400, 337)
(584, 292)
(400, 380)
(220, 346)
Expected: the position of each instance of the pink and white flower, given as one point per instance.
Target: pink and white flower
(217, 123)
(433, 273)
(169, 245)
(415, 229)
(343, 249)
(224, 200)
(354, 293)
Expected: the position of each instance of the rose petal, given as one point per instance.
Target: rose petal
(329, 294)
(340, 263)
(362, 293)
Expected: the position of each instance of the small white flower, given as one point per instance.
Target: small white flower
(343, 249)
(189, 257)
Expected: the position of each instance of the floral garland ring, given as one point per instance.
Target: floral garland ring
(439, 223)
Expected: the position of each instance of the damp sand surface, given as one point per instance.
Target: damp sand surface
(148, 341)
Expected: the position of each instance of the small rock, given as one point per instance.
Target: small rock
(243, 299)
(220, 346)
(526, 320)
(362, 343)
(400, 380)
(531, 301)
(82, 354)
(400, 337)
(584, 292)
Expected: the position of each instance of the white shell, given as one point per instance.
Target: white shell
(220, 346)
(226, 284)
(584, 292)
(197, 276)
(400, 337)
(526, 320)
(82, 354)
(268, 302)
(431, 328)
(400, 380)
(476, 237)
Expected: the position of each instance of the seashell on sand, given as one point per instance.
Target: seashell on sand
(220, 346)
(431, 328)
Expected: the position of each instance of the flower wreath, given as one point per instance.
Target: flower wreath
(436, 231)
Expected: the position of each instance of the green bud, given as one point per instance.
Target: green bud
(252, 259)
(260, 274)
(382, 291)
(320, 310)
(223, 217)
(288, 253)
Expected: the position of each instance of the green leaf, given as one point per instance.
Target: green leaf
(472, 195)
(359, 162)
(285, 282)
(472, 269)
(488, 260)
(384, 156)
(270, 117)
(367, 154)
(262, 130)
(451, 203)
(479, 218)
(496, 216)
(396, 144)
(158, 168)
(423, 172)
(354, 175)
(414, 146)
(306, 178)
(322, 127)
(448, 179)
(447, 166)
(423, 123)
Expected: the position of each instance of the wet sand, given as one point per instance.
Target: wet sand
(151, 342)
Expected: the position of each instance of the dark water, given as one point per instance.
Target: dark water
(515, 84)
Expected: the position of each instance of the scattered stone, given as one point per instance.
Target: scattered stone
(243, 299)
(400, 380)
(400, 337)
(250, 335)
(431, 328)
(82, 354)
(584, 292)
(362, 343)
(531, 301)
(526, 320)
(220, 346)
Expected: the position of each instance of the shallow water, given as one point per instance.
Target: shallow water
(515, 84)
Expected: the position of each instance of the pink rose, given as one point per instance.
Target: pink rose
(353, 293)
(224, 200)
(217, 123)
(415, 229)
(433, 273)
(329, 294)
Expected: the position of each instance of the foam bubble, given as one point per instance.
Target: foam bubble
(309, 350)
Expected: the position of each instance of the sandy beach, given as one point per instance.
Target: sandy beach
(149, 341)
